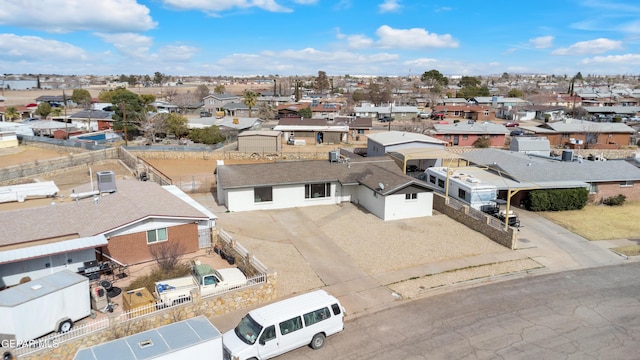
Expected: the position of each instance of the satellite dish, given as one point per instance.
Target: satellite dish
(381, 186)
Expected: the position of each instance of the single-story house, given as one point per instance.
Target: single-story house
(529, 171)
(381, 143)
(121, 221)
(584, 134)
(377, 184)
(92, 120)
(466, 133)
(312, 131)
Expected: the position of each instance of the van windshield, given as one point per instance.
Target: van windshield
(248, 330)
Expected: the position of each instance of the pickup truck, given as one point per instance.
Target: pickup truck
(203, 277)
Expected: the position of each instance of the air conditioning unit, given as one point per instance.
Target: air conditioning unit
(106, 181)
(334, 156)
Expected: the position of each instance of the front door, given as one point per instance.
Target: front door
(456, 139)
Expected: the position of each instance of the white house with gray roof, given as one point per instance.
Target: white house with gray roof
(377, 184)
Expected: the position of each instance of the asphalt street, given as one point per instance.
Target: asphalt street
(581, 314)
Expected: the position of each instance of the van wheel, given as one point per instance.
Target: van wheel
(65, 326)
(317, 341)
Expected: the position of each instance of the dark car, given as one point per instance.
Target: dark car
(517, 132)
(385, 118)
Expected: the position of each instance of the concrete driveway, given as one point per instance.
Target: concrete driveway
(338, 248)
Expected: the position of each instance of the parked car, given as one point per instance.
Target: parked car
(517, 132)
(438, 115)
(424, 115)
(386, 118)
(512, 124)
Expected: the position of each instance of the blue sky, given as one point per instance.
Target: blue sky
(302, 37)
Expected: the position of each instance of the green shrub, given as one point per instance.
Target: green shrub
(148, 281)
(617, 200)
(557, 199)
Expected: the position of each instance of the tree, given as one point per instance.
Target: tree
(359, 95)
(469, 81)
(201, 92)
(219, 89)
(471, 92)
(209, 135)
(321, 82)
(177, 125)
(250, 99)
(266, 112)
(434, 77)
(515, 93)
(158, 78)
(81, 97)
(305, 113)
(57, 111)
(43, 109)
(11, 113)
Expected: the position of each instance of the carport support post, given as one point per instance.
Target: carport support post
(510, 193)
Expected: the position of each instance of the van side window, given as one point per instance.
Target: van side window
(268, 334)
(336, 309)
(291, 325)
(316, 316)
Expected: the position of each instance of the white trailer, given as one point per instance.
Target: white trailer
(462, 186)
(38, 307)
(195, 338)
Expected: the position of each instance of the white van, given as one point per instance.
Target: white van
(283, 326)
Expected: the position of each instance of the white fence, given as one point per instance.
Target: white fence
(54, 340)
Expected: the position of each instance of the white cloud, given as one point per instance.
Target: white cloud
(129, 44)
(542, 42)
(63, 16)
(389, 6)
(223, 5)
(172, 53)
(627, 59)
(597, 46)
(412, 38)
(36, 48)
(359, 41)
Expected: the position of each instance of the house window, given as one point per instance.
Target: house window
(412, 196)
(360, 131)
(312, 191)
(447, 137)
(626, 183)
(593, 188)
(465, 137)
(157, 235)
(263, 194)
(565, 135)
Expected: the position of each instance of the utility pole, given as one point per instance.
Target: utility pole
(124, 122)
(390, 116)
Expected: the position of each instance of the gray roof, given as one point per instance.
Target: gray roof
(485, 127)
(60, 247)
(268, 133)
(369, 172)
(133, 201)
(92, 114)
(582, 126)
(163, 340)
(388, 138)
(613, 109)
(529, 168)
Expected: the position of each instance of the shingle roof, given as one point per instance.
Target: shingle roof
(132, 202)
(541, 169)
(388, 138)
(572, 125)
(474, 128)
(369, 172)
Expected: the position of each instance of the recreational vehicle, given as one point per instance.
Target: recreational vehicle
(462, 186)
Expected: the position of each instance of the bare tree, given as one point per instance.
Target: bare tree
(167, 254)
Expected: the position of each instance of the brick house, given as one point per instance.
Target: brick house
(120, 226)
(465, 133)
(584, 134)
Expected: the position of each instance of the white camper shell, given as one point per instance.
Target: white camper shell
(284, 326)
(462, 186)
(38, 307)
